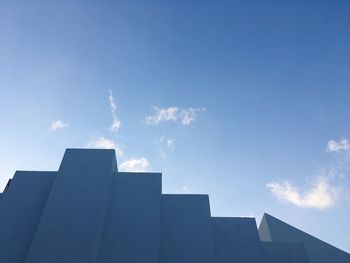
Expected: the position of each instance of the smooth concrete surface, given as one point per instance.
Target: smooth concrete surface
(278, 252)
(72, 222)
(273, 229)
(89, 212)
(236, 240)
(186, 235)
(20, 211)
(132, 228)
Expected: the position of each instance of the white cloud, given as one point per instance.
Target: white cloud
(334, 146)
(189, 116)
(321, 195)
(113, 106)
(164, 146)
(135, 165)
(175, 114)
(326, 189)
(56, 125)
(170, 143)
(163, 115)
(115, 125)
(104, 143)
(112, 103)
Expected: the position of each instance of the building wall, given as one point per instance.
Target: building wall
(89, 212)
(186, 235)
(277, 252)
(317, 250)
(236, 240)
(132, 226)
(20, 211)
(72, 221)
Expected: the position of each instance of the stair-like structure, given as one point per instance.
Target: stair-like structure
(88, 212)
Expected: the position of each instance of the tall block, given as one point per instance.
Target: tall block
(273, 229)
(132, 228)
(89, 212)
(186, 234)
(20, 211)
(236, 239)
(71, 225)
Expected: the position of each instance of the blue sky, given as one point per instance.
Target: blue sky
(247, 101)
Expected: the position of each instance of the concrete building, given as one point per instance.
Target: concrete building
(89, 212)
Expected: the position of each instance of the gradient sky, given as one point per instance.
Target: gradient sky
(248, 101)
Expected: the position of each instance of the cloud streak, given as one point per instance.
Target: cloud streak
(178, 115)
(338, 146)
(113, 107)
(169, 142)
(164, 146)
(58, 125)
(135, 165)
(320, 195)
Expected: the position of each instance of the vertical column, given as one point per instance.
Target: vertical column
(236, 240)
(186, 234)
(20, 210)
(71, 225)
(132, 227)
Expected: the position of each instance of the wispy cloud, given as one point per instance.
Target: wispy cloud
(338, 146)
(165, 145)
(113, 106)
(104, 143)
(135, 165)
(326, 189)
(178, 115)
(320, 195)
(58, 124)
(189, 115)
(169, 142)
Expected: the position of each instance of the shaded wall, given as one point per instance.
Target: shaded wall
(186, 229)
(72, 222)
(277, 252)
(89, 212)
(236, 240)
(20, 211)
(132, 227)
(273, 229)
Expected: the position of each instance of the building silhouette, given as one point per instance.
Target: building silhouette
(88, 212)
